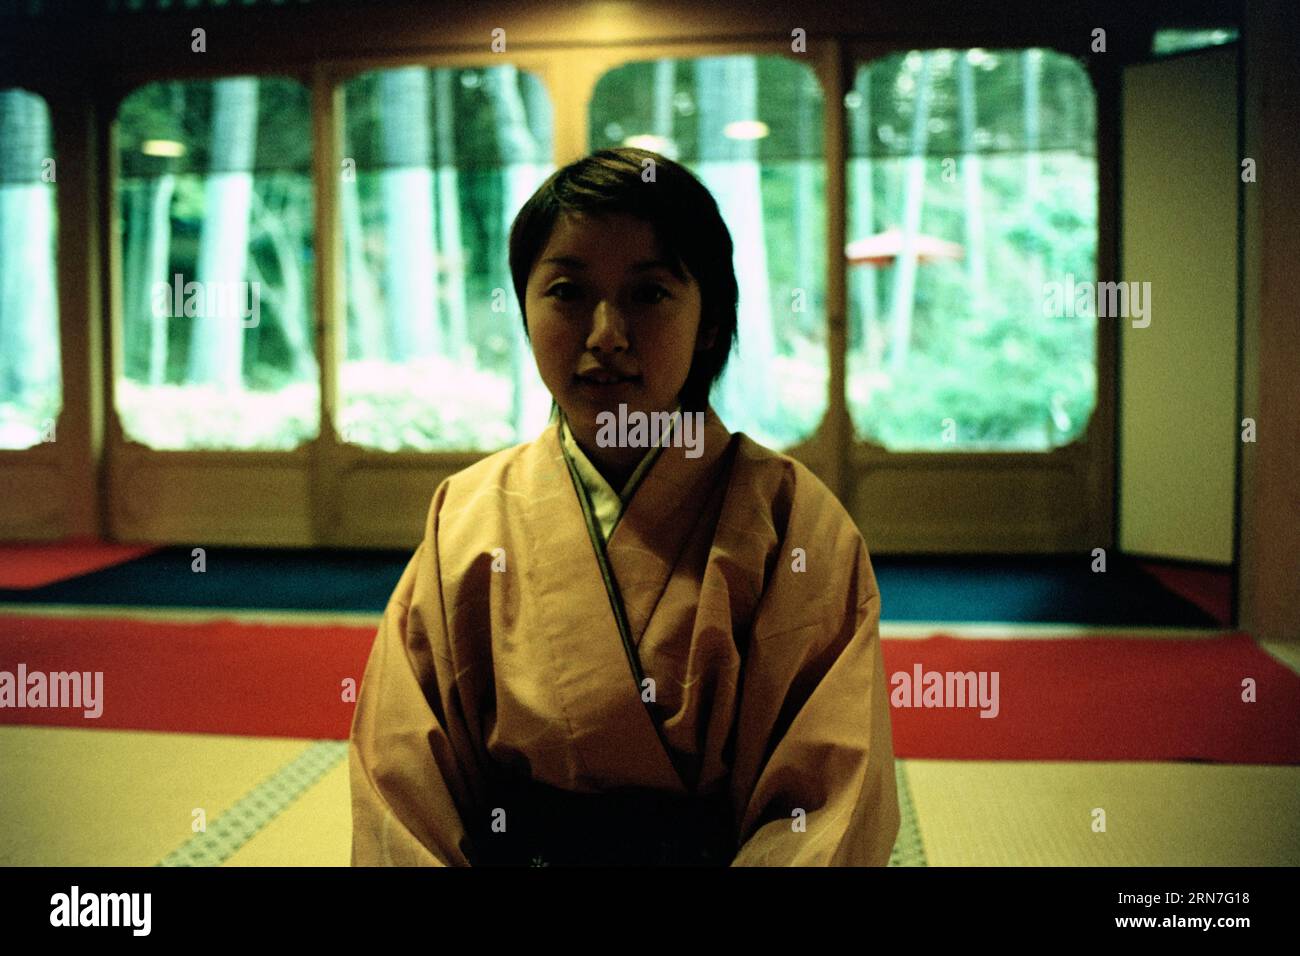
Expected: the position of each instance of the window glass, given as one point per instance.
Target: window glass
(972, 216)
(437, 162)
(1166, 42)
(750, 127)
(215, 208)
(31, 387)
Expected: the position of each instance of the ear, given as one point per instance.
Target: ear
(704, 341)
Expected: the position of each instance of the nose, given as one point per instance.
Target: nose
(608, 329)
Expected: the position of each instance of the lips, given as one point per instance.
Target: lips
(604, 377)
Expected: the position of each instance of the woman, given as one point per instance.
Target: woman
(620, 645)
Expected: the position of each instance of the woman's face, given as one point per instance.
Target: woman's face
(609, 322)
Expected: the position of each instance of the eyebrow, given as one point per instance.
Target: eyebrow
(646, 265)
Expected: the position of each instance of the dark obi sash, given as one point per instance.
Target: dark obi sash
(546, 826)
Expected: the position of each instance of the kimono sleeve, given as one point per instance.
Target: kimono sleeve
(410, 765)
(813, 780)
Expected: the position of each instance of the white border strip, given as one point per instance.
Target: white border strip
(195, 614)
(999, 630)
(1287, 654)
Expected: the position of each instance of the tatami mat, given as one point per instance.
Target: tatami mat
(1167, 814)
(114, 798)
(73, 797)
(909, 848)
(315, 830)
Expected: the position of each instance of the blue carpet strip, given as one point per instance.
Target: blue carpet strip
(1059, 589)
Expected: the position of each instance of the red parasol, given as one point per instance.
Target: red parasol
(884, 248)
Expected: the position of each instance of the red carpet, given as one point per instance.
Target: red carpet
(219, 677)
(1209, 589)
(1084, 699)
(35, 565)
(1105, 699)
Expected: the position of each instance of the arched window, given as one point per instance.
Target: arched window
(750, 127)
(972, 216)
(436, 163)
(215, 203)
(31, 387)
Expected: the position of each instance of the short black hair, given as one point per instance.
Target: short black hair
(686, 222)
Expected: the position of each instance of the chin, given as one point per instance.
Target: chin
(581, 411)
(594, 399)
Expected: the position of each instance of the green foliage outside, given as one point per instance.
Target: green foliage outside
(991, 364)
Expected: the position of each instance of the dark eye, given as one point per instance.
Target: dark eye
(564, 291)
(652, 294)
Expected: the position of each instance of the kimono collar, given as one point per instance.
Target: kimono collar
(605, 502)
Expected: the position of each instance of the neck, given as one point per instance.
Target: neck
(614, 464)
